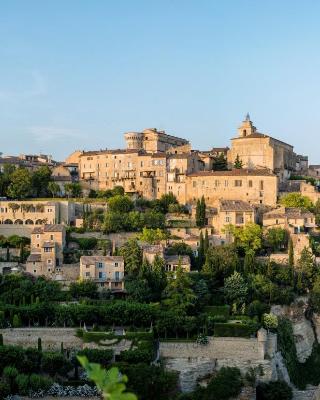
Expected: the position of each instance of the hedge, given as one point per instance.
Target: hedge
(218, 310)
(103, 357)
(234, 330)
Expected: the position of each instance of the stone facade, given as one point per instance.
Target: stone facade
(253, 186)
(106, 271)
(47, 244)
(28, 212)
(257, 150)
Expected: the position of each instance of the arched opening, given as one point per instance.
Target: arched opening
(18, 222)
(7, 221)
(39, 222)
(29, 222)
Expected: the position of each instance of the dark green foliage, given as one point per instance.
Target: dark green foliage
(4, 389)
(278, 390)
(238, 162)
(201, 213)
(38, 382)
(22, 383)
(220, 163)
(225, 384)
(53, 363)
(39, 344)
(103, 357)
(143, 354)
(218, 310)
(86, 243)
(235, 329)
(83, 289)
(150, 382)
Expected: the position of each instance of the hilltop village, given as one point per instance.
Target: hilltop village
(195, 272)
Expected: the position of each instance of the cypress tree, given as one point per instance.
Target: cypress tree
(201, 254)
(206, 242)
(291, 260)
(39, 344)
(238, 163)
(198, 213)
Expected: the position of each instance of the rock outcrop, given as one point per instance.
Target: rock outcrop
(302, 328)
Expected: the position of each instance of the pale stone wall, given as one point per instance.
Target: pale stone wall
(217, 348)
(51, 338)
(252, 187)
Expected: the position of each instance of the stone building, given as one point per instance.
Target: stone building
(106, 271)
(295, 220)
(28, 212)
(152, 141)
(257, 150)
(253, 186)
(47, 244)
(234, 212)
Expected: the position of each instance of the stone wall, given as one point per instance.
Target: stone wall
(194, 361)
(20, 230)
(51, 338)
(217, 348)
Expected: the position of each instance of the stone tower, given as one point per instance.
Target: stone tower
(247, 127)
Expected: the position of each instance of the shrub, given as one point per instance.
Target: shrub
(279, 390)
(136, 356)
(55, 362)
(38, 382)
(98, 356)
(218, 311)
(235, 329)
(227, 383)
(22, 382)
(4, 389)
(16, 322)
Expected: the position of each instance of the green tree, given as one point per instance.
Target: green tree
(120, 204)
(153, 236)
(53, 188)
(270, 321)
(220, 163)
(201, 213)
(73, 189)
(221, 262)
(201, 251)
(16, 322)
(296, 200)
(248, 237)
(40, 181)
(276, 238)
(307, 268)
(20, 186)
(238, 164)
(235, 289)
(83, 289)
(279, 390)
(178, 295)
(225, 384)
(132, 254)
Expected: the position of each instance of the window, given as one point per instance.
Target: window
(228, 219)
(51, 237)
(87, 274)
(261, 185)
(116, 264)
(100, 275)
(194, 184)
(238, 183)
(47, 249)
(226, 183)
(250, 184)
(100, 265)
(49, 261)
(117, 275)
(38, 236)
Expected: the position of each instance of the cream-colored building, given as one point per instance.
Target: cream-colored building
(257, 150)
(172, 263)
(152, 141)
(28, 212)
(106, 271)
(47, 244)
(295, 220)
(253, 186)
(234, 212)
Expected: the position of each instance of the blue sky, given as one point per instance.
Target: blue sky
(77, 74)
